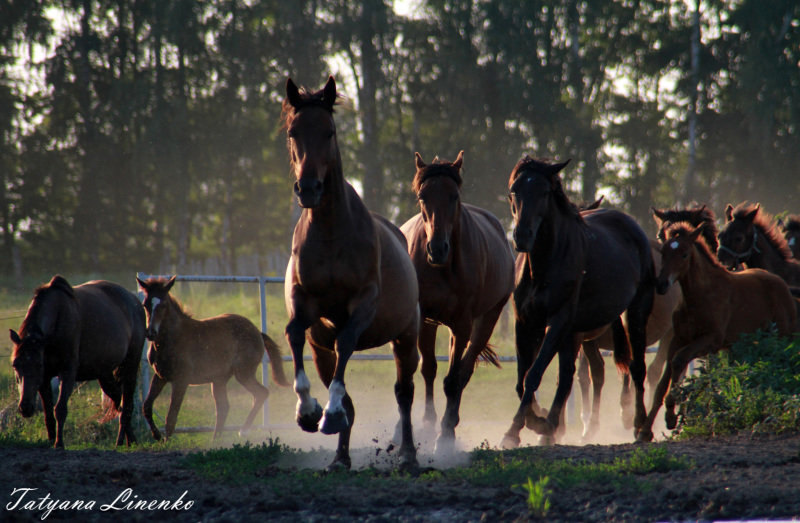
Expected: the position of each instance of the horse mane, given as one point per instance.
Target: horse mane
(764, 221)
(695, 215)
(434, 169)
(57, 283)
(541, 166)
(308, 98)
(682, 230)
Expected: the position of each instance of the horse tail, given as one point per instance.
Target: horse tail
(111, 408)
(275, 361)
(489, 355)
(622, 347)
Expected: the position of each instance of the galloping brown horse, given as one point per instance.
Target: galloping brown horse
(751, 237)
(718, 306)
(92, 331)
(466, 275)
(185, 351)
(350, 284)
(580, 272)
(791, 233)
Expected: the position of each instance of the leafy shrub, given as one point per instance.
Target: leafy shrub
(754, 387)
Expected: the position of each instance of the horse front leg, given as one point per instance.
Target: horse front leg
(301, 317)
(46, 393)
(178, 392)
(637, 314)
(67, 386)
(219, 390)
(156, 386)
(528, 338)
(334, 417)
(453, 388)
(591, 361)
(427, 349)
(553, 426)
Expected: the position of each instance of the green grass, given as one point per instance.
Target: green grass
(754, 388)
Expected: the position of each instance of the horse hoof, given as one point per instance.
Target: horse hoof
(547, 440)
(339, 463)
(644, 436)
(408, 462)
(510, 442)
(444, 446)
(333, 422)
(309, 422)
(671, 419)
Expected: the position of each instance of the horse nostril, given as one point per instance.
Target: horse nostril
(317, 186)
(297, 188)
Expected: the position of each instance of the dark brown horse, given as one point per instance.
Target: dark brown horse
(350, 284)
(92, 331)
(466, 275)
(185, 351)
(751, 237)
(791, 233)
(717, 307)
(580, 272)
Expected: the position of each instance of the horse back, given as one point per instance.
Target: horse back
(760, 299)
(112, 322)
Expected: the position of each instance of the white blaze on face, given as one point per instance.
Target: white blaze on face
(336, 393)
(674, 245)
(153, 305)
(792, 241)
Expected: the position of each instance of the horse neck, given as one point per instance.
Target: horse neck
(43, 313)
(701, 276)
(335, 207)
(552, 242)
(175, 322)
(767, 256)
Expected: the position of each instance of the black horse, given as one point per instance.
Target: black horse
(578, 273)
(93, 331)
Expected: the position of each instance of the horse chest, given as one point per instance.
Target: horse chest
(338, 269)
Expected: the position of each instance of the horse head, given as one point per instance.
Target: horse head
(791, 233)
(739, 236)
(27, 359)
(156, 302)
(676, 252)
(531, 189)
(438, 188)
(311, 132)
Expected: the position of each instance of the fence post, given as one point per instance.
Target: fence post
(262, 284)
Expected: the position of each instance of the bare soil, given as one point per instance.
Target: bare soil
(729, 478)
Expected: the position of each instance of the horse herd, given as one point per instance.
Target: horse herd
(582, 279)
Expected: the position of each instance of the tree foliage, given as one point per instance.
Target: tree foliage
(139, 134)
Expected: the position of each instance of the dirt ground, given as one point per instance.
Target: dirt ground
(730, 478)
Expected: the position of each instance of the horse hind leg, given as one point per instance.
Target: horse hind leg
(591, 361)
(259, 392)
(406, 359)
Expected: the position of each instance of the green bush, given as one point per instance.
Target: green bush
(754, 387)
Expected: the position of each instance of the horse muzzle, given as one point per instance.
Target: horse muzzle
(308, 192)
(26, 409)
(438, 253)
(663, 284)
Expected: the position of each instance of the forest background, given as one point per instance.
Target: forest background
(146, 135)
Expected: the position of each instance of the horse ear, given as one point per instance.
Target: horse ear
(658, 216)
(752, 214)
(419, 162)
(459, 160)
(142, 285)
(14, 336)
(170, 283)
(555, 168)
(329, 93)
(697, 232)
(729, 212)
(292, 93)
(780, 224)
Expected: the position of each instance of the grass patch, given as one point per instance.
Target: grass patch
(755, 387)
